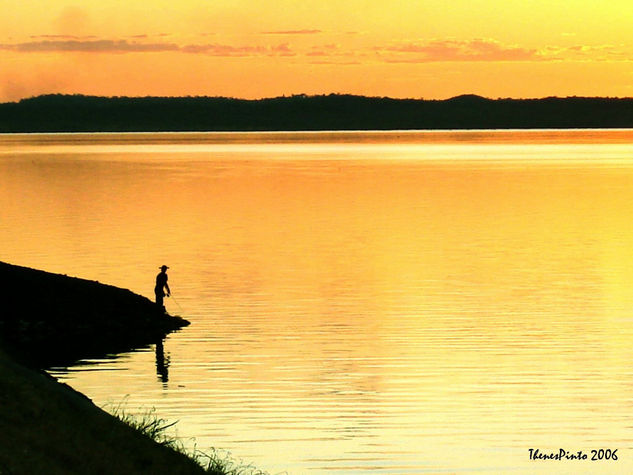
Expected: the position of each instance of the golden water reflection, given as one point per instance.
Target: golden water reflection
(353, 311)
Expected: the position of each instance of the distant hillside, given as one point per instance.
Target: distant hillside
(76, 113)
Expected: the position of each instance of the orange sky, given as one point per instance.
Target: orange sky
(247, 48)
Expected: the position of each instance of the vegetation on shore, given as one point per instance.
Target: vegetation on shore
(213, 461)
(47, 427)
(78, 113)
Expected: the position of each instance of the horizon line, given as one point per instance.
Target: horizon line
(308, 96)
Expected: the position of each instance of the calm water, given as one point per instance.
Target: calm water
(360, 302)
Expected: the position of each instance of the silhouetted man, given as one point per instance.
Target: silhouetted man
(161, 286)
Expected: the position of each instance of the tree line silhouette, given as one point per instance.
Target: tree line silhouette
(79, 113)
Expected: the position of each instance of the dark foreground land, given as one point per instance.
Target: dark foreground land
(50, 319)
(45, 426)
(77, 113)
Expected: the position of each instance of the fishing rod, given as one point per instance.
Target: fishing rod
(176, 302)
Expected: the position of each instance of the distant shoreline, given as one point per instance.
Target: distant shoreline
(323, 131)
(301, 113)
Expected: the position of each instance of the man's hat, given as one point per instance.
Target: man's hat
(163, 267)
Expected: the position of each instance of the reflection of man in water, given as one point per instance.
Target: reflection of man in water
(161, 286)
(162, 362)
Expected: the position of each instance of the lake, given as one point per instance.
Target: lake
(384, 302)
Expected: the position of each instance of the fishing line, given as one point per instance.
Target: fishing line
(179, 306)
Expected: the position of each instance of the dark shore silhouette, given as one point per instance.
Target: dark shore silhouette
(77, 113)
(47, 427)
(50, 319)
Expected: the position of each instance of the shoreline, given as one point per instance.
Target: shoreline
(80, 113)
(48, 427)
(55, 320)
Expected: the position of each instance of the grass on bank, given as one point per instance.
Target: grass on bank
(214, 462)
(49, 428)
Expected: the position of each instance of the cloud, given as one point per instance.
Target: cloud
(282, 50)
(458, 50)
(439, 50)
(451, 50)
(600, 51)
(69, 44)
(330, 49)
(91, 46)
(336, 63)
(292, 32)
(224, 50)
(587, 53)
(216, 49)
(62, 37)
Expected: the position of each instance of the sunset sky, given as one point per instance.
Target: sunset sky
(251, 49)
